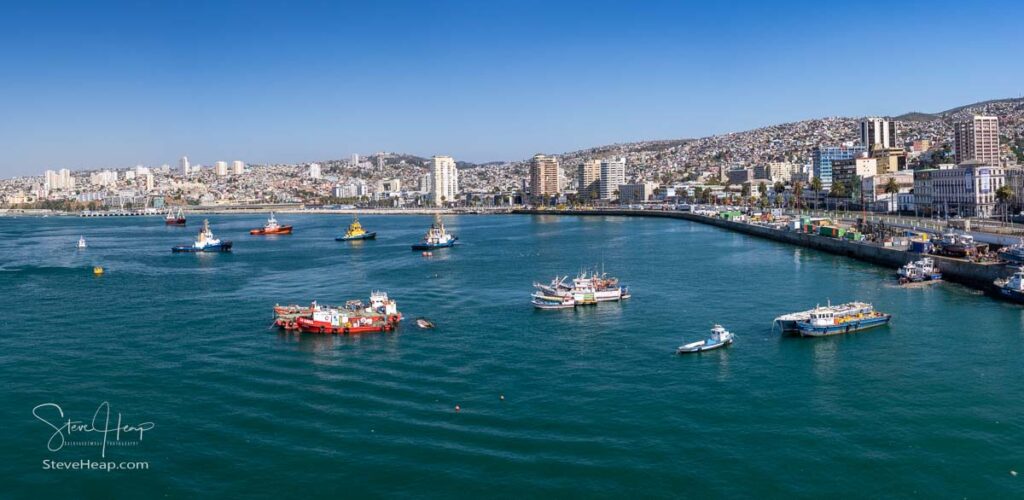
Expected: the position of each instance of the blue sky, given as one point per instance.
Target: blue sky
(105, 84)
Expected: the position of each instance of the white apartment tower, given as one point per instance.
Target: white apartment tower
(314, 171)
(185, 167)
(237, 167)
(978, 139)
(613, 173)
(877, 133)
(221, 168)
(444, 182)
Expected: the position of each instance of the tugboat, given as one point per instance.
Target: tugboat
(1013, 287)
(848, 318)
(720, 337)
(381, 315)
(436, 237)
(918, 271)
(175, 220)
(356, 232)
(205, 242)
(81, 242)
(272, 227)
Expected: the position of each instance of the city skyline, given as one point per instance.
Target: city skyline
(226, 81)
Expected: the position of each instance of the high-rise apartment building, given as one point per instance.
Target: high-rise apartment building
(877, 133)
(588, 180)
(237, 167)
(185, 167)
(221, 168)
(444, 182)
(977, 139)
(314, 171)
(613, 174)
(545, 176)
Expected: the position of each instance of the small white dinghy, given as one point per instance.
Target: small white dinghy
(720, 337)
(81, 242)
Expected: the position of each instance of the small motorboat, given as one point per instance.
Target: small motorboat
(541, 301)
(437, 237)
(272, 227)
(720, 337)
(356, 232)
(81, 242)
(424, 323)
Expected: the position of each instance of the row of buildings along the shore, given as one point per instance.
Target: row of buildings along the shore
(971, 171)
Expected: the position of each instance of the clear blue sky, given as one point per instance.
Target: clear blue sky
(91, 84)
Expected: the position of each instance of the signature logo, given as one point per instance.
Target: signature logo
(96, 432)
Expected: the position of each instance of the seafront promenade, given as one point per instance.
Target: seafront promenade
(972, 274)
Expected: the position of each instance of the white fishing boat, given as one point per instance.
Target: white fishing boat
(918, 271)
(541, 301)
(1012, 287)
(719, 337)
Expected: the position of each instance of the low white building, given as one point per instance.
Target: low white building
(968, 190)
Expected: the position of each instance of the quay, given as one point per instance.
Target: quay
(972, 274)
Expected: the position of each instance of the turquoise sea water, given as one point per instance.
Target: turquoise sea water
(596, 403)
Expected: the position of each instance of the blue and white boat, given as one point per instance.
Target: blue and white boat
(1013, 254)
(436, 237)
(719, 337)
(835, 320)
(1013, 287)
(205, 242)
(918, 271)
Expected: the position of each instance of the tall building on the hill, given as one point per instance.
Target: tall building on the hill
(314, 171)
(444, 182)
(588, 180)
(977, 138)
(877, 133)
(185, 167)
(545, 176)
(613, 173)
(237, 167)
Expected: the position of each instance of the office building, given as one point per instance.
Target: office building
(977, 138)
(545, 176)
(968, 190)
(613, 174)
(822, 158)
(636, 193)
(444, 182)
(852, 170)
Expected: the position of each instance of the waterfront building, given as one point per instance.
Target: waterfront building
(613, 174)
(237, 167)
(923, 198)
(185, 167)
(969, 190)
(851, 171)
(1014, 177)
(874, 190)
(588, 180)
(389, 188)
(314, 171)
(636, 193)
(877, 133)
(822, 158)
(890, 160)
(545, 177)
(425, 183)
(977, 138)
(221, 168)
(444, 183)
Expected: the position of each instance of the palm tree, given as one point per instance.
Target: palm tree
(798, 190)
(892, 188)
(778, 189)
(816, 187)
(1004, 194)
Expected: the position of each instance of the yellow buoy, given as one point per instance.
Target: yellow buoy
(97, 270)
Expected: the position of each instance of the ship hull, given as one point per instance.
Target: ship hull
(807, 330)
(311, 326)
(431, 246)
(1010, 294)
(698, 347)
(365, 236)
(220, 248)
(174, 222)
(265, 232)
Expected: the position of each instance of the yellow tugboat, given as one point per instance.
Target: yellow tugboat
(356, 232)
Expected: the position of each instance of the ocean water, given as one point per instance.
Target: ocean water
(595, 402)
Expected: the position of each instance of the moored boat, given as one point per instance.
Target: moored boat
(719, 337)
(437, 237)
(918, 271)
(205, 242)
(380, 315)
(835, 320)
(1013, 254)
(1012, 288)
(81, 242)
(271, 227)
(585, 289)
(541, 301)
(175, 220)
(356, 232)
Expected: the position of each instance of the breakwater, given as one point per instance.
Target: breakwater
(975, 275)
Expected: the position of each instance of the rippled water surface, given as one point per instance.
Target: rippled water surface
(596, 404)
